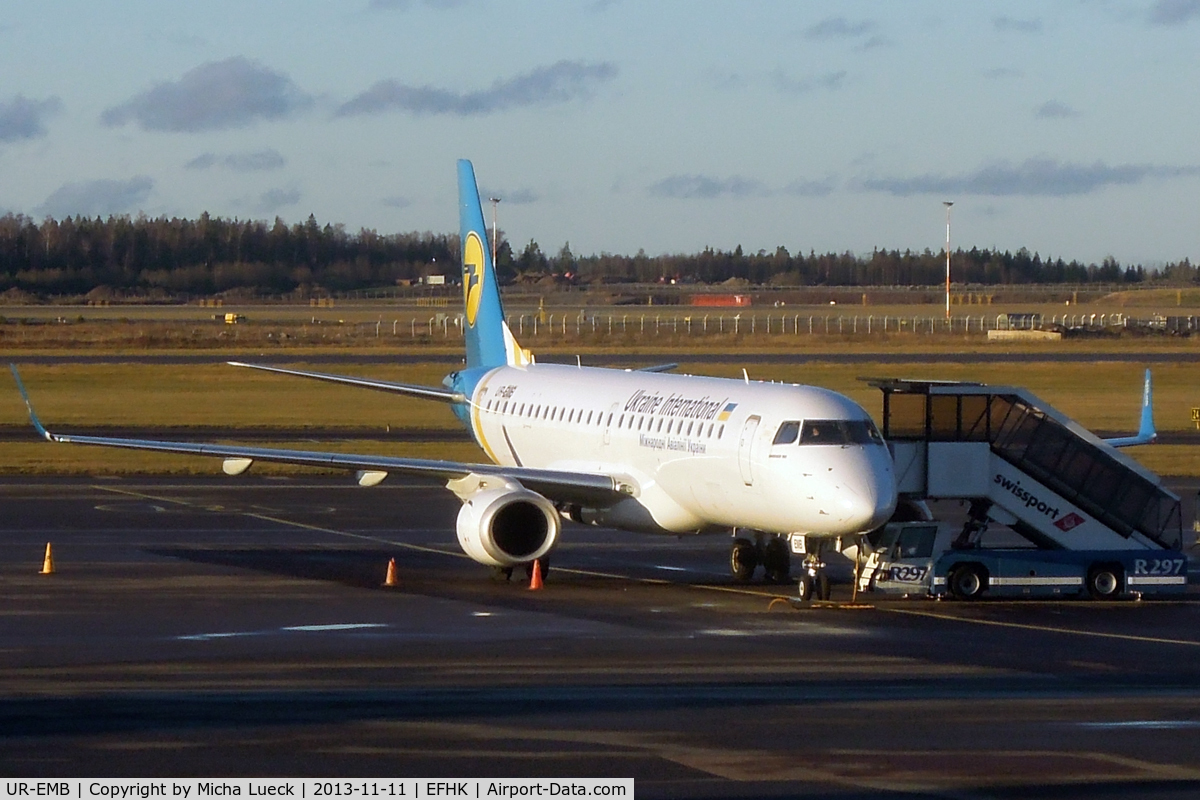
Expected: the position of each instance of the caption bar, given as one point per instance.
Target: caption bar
(307, 788)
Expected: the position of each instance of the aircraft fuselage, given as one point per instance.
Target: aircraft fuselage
(701, 453)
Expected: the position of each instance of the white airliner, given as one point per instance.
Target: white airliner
(636, 450)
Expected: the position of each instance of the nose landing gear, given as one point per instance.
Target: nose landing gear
(814, 583)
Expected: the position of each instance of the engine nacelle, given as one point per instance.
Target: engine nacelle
(504, 527)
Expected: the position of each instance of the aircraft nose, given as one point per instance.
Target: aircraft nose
(868, 496)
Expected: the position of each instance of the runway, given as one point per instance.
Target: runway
(210, 627)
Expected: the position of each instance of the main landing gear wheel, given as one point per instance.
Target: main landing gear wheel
(777, 560)
(1104, 581)
(743, 558)
(967, 581)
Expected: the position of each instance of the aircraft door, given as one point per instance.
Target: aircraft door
(746, 450)
(609, 420)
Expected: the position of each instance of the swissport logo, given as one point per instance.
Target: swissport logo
(1025, 496)
(1068, 522)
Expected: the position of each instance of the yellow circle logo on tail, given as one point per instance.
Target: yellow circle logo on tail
(472, 275)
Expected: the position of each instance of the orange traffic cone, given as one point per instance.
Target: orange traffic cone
(390, 580)
(535, 580)
(48, 562)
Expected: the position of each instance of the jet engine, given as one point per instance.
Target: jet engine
(503, 527)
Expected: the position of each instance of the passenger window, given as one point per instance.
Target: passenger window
(689, 430)
(710, 427)
(788, 432)
(721, 431)
(659, 428)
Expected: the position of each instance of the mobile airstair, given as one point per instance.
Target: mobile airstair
(1025, 465)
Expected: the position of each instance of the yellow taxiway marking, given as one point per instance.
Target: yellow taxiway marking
(1045, 628)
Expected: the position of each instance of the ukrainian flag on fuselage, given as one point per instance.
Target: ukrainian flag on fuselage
(483, 320)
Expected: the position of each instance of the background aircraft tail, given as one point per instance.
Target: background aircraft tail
(1146, 431)
(489, 341)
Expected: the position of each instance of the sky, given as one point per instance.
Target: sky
(1068, 127)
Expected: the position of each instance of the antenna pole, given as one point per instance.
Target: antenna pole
(947, 204)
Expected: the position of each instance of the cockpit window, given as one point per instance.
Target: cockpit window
(839, 431)
(787, 433)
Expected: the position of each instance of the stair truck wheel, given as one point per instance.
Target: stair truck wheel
(967, 581)
(1104, 581)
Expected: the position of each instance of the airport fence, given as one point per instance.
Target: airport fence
(582, 326)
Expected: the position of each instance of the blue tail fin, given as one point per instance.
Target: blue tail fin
(1146, 431)
(489, 341)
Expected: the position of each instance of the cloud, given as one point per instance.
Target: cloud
(219, 95)
(396, 202)
(875, 42)
(1174, 12)
(1054, 109)
(1035, 177)
(543, 86)
(787, 85)
(256, 161)
(838, 28)
(803, 188)
(202, 161)
(517, 197)
(689, 187)
(97, 198)
(1002, 73)
(1017, 25)
(404, 5)
(274, 199)
(22, 118)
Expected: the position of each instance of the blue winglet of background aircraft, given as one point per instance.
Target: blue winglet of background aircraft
(1146, 433)
(37, 423)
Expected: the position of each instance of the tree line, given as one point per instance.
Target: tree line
(210, 255)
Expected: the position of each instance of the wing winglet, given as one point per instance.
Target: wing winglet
(1146, 431)
(33, 417)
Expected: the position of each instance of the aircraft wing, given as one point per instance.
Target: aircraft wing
(1146, 432)
(580, 487)
(413, 390)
